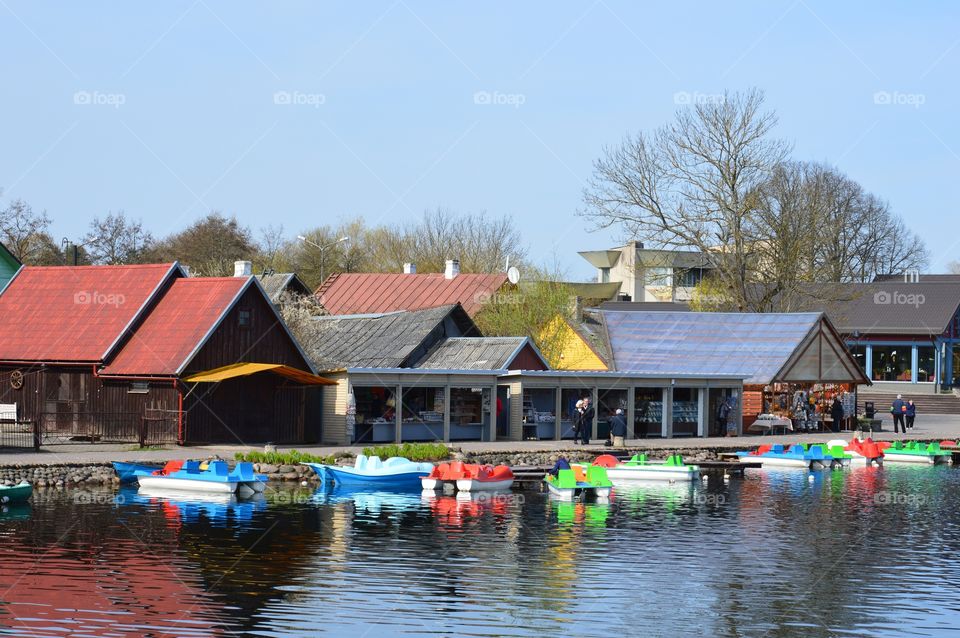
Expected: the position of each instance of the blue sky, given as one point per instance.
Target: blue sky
(302, 113)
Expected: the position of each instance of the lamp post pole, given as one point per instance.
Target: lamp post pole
(323, 250)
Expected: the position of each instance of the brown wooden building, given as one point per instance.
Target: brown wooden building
(144, 353)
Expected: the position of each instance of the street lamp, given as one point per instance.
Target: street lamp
(322, 250)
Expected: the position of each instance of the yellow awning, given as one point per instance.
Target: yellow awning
(246, 369)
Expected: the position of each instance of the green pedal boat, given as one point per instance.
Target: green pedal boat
(915, 452)
(581, 481)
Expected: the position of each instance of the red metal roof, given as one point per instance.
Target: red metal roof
(72, 313)
(182, 318)
(362, 293)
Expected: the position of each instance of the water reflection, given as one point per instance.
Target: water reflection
(864, 550)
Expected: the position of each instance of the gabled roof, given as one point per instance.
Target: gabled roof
(796, 347)
(590, 328)
(177, 326)
(9, 257)
(275, 284)
(359, 293)
(886, 307)
(390, 340)
(658, 306)
(477, 353)
(74, 314)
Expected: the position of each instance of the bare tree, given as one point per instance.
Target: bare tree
(23, 231)
(954, 267)
(694, 184)
(116, 240)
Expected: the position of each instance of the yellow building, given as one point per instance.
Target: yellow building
(569, 347)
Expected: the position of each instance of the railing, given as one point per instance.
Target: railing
(19, 434)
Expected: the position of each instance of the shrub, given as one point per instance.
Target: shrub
(288, 457)
(412, 451)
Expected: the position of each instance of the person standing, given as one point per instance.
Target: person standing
(618, 428)
(911, 413)
(723, 415)
(898, 408)
(586, 421)
(836, 413)
(577, 420)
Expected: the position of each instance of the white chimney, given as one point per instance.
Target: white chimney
(409, 269)
(186, 270)
(242, 268)
(453, 269)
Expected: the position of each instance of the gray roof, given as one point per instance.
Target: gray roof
(275, 284)
(474, 353)
(887, 307)
(389, 340)
(924, 278)
(591, 329)
(765, 346)
(672, 306)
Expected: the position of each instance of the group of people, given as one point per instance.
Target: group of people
(904, 414)
(583, 414)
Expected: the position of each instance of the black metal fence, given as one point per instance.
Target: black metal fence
(23, 435)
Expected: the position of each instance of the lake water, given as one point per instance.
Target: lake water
(856, 552)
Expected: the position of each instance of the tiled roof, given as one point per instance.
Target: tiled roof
(359, 293)
(72, 313)
(275, 284)
(186, 313)
(886, 307)
(391, 340)
(473, 353)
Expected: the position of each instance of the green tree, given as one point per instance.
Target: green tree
(209, 246)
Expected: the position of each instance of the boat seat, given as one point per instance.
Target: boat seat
(566, 479)
(776, 449)
(934, 448)
(219, 468)
(638, 459)
(191, 466)
(373, 463)
(606, 460)
(816, 452)
(597, 476)
(245, 471)
(674, 460)
(579, 473)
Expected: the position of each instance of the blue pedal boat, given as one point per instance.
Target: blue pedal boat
(814, 458)
(128, 472)
(206, 476)
(396, 472)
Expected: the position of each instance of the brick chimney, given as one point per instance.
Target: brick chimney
(452, 270)
(242, 268)
(409, 268)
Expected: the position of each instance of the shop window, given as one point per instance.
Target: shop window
(686, 411)
(859, 353)
(891, 363)
(422, 414)
(608, 402)
(648, 412)
(926, 364)
(539, 413)
(375, 414)
(469, 414)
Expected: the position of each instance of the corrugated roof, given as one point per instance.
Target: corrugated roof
(473, 353)
(388, 340)
(646, 306)
(73, 313)
(667, 343)
(361, 293)
(886, 307)
(275, 284)
(591, 329)
(176, 326)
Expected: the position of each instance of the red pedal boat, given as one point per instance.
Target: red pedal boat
(468, 477)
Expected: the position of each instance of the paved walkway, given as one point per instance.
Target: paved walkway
(932, 427)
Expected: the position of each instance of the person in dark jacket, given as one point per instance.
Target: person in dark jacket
(618, 428)
(561, 464)
(836, 412)
(898, 409)
(577, 417)
(586, 421)
(911, 413)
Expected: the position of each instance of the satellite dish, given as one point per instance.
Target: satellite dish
(513, 275)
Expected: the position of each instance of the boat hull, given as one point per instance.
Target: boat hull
(349, 478)
(626, 474)
(189, 485)
(473, 485)
(922, 459)
(803, 464)
(572, 493)
(128, 472)
(16, 493)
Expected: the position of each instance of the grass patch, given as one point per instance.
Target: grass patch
(288, 457)
(146, 448)
(412, 451)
